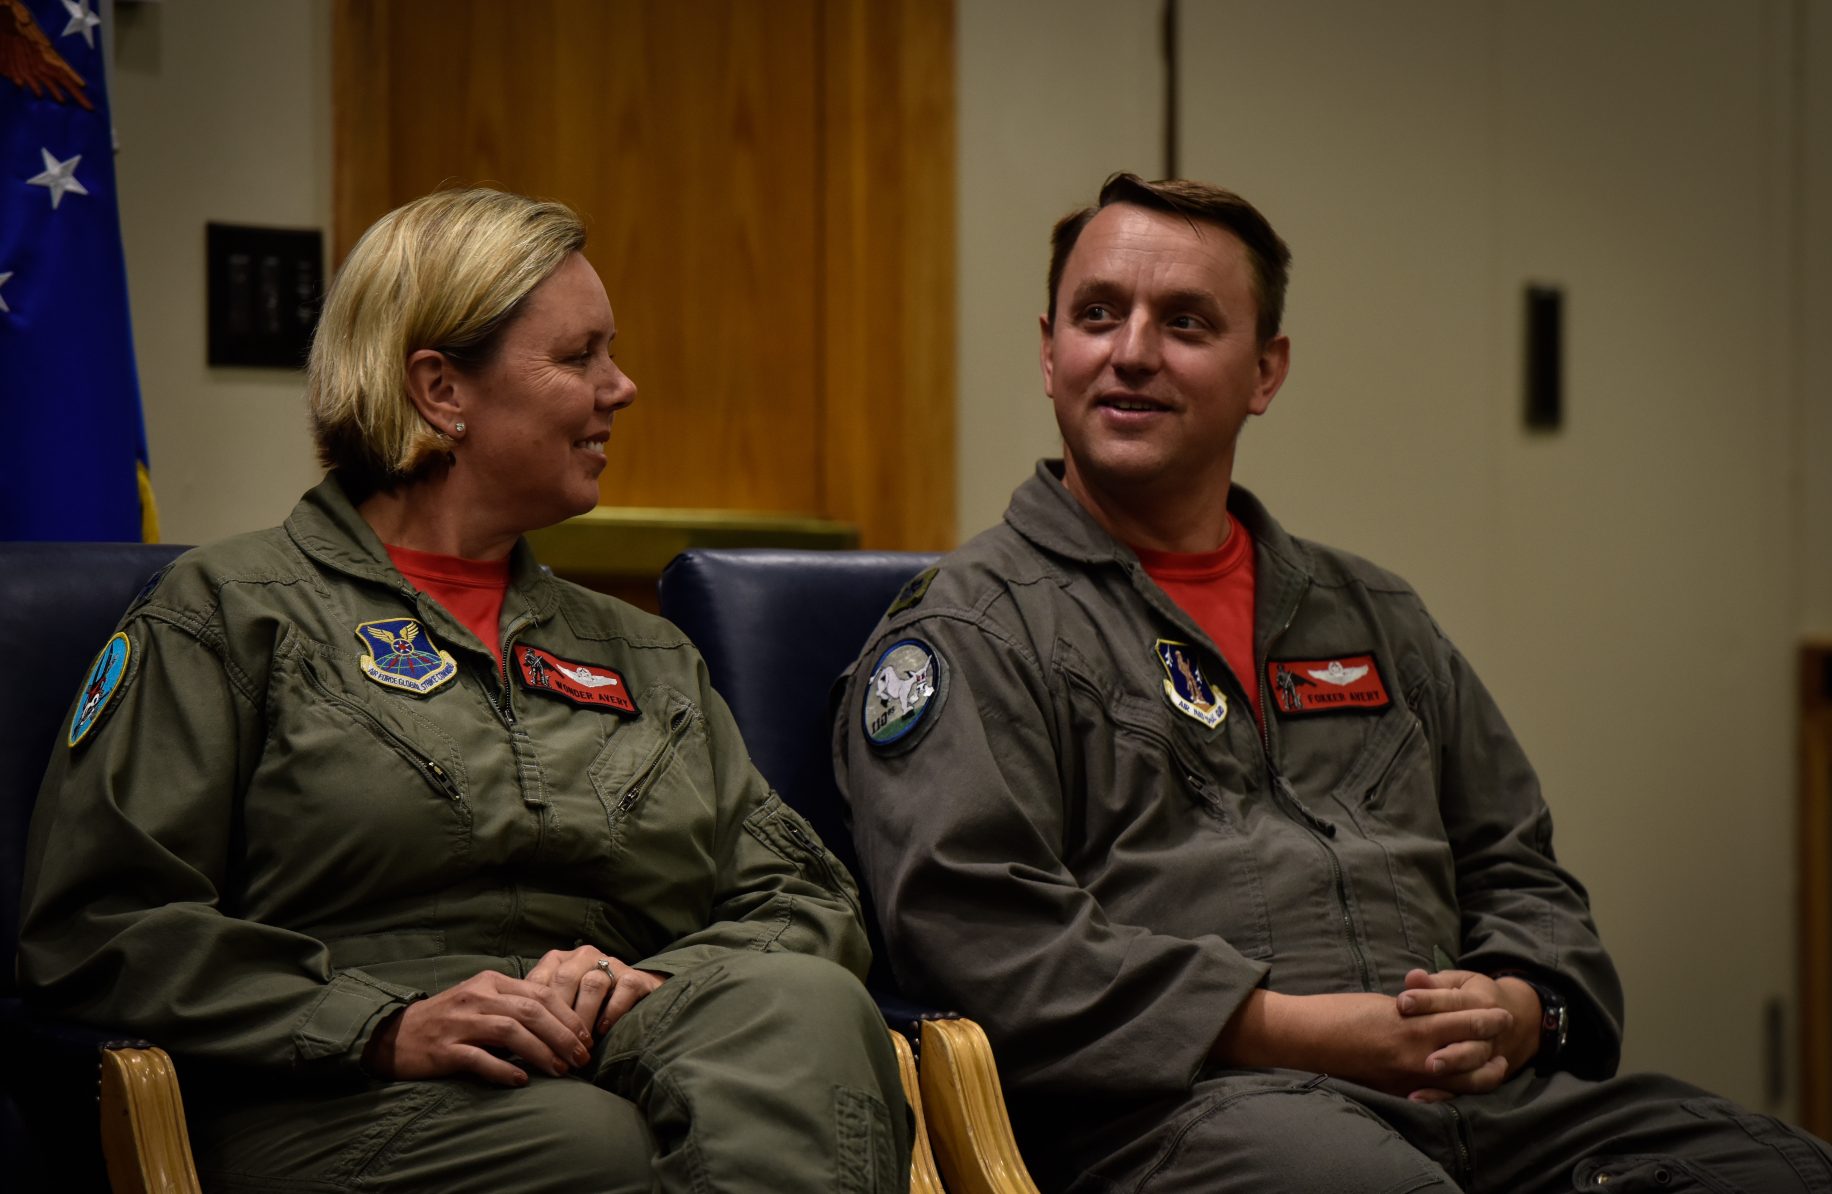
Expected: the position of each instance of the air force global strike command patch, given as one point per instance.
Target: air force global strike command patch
(106, 675)
(899, 691)
(589, 685)
(1186, 688)
(402, 655)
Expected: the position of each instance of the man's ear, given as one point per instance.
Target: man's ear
(433, 390)
(1043, 355)
(1274, 364)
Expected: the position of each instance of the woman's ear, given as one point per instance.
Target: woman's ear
(432, 388)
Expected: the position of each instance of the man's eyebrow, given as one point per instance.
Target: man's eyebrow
(1093, 288)
(1200, 299)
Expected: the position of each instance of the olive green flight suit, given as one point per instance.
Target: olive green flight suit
(265, 846)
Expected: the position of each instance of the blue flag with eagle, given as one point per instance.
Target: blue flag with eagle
(72, 440)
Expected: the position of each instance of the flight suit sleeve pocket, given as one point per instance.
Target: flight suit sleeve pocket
(787, 834)
(346, 1012)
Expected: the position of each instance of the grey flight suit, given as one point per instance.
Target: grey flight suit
(269, 841)
(1077, 834)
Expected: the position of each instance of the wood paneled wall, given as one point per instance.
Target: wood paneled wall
(770, 195)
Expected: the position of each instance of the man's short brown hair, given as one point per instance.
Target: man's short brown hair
(1193, 201)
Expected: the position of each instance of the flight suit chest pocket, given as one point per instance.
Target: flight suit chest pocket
(647, 781)
(1390, 794)
(1173, 849)
(348, 775)
(401, 731)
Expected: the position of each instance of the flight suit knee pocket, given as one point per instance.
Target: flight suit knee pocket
(415, 1104)
(1808, 1162)
(866, 1157)
(1643, 1172)
(1273, 1129)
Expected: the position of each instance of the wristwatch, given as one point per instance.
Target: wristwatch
(1554, 1026)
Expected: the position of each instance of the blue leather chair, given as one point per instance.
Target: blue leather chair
(58, 604)
(777, 627)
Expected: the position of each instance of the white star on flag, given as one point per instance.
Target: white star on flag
(81, 21)
(3, 278)
(58, 177)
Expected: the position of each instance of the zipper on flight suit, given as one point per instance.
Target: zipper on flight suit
(1460, 1135)
(505, 712)
(505, 708)
(820, 856)
(1318, 828)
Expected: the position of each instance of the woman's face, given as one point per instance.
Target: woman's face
(537, 417)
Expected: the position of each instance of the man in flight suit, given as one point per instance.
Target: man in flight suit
(1211, 826)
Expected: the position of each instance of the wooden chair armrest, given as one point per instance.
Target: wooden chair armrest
(144, 1141)
(974, 1147)
(923, 1178)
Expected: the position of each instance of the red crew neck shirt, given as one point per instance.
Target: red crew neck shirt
(472, 590)
(1215, 588)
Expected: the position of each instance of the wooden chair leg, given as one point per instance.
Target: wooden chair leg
(923, 1178)
(144, 1141)
(974, 1146)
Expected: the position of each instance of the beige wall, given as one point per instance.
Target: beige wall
(223, 110)
(1032, 144)
(1812, 213)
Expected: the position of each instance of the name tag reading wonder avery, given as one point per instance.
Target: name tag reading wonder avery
(590, 685)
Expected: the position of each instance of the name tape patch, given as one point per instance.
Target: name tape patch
(590, 685)
(1346, 684)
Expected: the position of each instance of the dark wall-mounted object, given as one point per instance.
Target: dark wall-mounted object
(1545, 353)
(265, 285)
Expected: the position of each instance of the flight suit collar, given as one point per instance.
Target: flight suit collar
(1043, 511)
(1046, 513)
(329, 529)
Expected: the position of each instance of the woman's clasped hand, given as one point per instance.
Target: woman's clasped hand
(485, 1024)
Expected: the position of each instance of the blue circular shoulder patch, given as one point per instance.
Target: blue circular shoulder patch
(899, 690)
(105, 677)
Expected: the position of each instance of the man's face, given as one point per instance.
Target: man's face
(1153, 362)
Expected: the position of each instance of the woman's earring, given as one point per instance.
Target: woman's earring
(457, 428)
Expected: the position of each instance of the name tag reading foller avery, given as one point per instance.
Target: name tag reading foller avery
(1348, 684)
(591, 685)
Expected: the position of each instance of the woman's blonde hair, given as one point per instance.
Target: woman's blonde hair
(448, 272)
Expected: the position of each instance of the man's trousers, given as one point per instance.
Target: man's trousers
(1279, 1130)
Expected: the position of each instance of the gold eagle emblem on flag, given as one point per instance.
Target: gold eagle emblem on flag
(29, 60)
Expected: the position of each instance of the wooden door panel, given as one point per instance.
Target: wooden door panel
(685, 134)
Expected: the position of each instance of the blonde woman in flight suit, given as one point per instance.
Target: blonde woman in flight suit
(437, 872)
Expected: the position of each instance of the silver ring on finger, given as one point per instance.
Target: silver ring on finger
(603, 965)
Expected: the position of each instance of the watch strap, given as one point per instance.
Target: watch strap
(1554, 1023)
